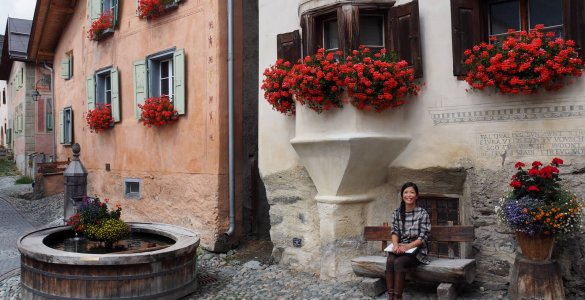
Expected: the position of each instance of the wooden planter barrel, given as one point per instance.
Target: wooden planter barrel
(537, 248)
(536, 280)
(168, 273)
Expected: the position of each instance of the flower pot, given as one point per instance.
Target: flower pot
(538, 247)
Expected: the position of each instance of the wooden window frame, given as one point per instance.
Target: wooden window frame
(524, 16)
(439, 249)
(348, 15)
(469, 21)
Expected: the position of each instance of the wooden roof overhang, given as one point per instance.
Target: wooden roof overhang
(49, 22)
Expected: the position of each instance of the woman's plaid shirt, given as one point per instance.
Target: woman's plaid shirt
(417, 225)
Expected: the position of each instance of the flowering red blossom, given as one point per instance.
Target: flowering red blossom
(523, 63)
(519, 165)
(373, 81)
(104, 22)
(316, 82)
(100, 118)
(542, 183)
(276, 90)
(152, 8)
(158, 111)
(376, 81)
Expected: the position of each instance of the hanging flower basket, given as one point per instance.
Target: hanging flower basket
(102, 26)
(158, 111)
(523, 63)
(100, 118)
(152, 9)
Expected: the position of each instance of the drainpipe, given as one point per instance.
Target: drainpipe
(54, 157)
(230, 15)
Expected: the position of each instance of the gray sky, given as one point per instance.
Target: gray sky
(22, 9)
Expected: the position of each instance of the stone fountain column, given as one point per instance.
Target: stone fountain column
(75, 179)
(347, 153)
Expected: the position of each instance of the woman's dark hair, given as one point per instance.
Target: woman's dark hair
(402, 204)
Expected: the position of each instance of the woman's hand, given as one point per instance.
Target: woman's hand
(397, 248)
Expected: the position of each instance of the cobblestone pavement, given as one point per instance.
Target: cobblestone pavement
(13, 225)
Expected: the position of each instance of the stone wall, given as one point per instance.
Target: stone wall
(295, 214)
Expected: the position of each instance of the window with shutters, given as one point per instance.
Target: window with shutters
(442, 211)
(97, 8)
(162, 73)
(104, 88)
(48, 114)
(66, 126)
(67, 66)
(474, 21)
(376, 25)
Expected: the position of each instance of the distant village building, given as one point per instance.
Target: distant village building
(28, 121)
(177, 173)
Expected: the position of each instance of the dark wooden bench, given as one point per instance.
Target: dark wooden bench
(449, 272)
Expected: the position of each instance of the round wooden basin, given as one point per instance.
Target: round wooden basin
(168, 273)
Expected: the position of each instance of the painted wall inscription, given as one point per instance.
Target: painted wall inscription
(532, 143)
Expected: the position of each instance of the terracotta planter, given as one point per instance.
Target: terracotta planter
(537, 248)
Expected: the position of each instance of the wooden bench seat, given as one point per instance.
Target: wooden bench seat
(447, 271)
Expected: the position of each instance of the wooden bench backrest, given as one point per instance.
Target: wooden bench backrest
(439, 233)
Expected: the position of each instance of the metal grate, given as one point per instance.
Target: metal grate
(205, 279)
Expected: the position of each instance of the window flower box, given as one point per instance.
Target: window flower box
(100, 118)
(152, 9)
(158, 111)
(102, 27)
(523, 63)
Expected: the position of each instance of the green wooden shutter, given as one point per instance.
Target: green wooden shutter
(70, 126)
(9, 137)
(179, 81)
(140, 85)
(95, 9)
(65, 68)
(114, 77)
(90, 92)
(116, 12)
(61, 129)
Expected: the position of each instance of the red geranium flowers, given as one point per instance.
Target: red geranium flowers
(99, 26)
(158, 111)
(523, 63)
(373, 81)
(276, 91)
(152, 8)
(100, 118)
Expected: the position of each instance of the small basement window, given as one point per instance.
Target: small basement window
(132, 188)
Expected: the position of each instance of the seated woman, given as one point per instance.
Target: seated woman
(411, 225)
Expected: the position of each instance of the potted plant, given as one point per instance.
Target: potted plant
(523, 62)
(539, 209)
(98, 222)
(153, 9)
(158, 111)
(101, 26)
(100, 118)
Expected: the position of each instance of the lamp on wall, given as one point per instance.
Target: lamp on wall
(35, 94)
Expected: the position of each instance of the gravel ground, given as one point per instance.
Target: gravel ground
(244, 273)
